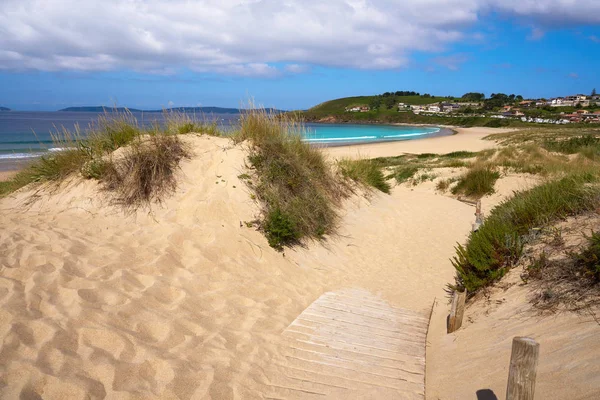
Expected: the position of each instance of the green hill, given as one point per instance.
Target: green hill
(339, 105)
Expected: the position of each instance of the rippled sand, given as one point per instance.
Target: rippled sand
(186, 301)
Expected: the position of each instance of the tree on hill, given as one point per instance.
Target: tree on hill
(473, 96)
(375, 103)
(389, 102)
(593, 91)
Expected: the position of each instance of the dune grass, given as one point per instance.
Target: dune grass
(498, 244)
(145, 172)
(366, 172)
(142, 173)
(478, 181)
(296, 186)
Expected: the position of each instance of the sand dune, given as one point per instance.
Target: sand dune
(186, 301)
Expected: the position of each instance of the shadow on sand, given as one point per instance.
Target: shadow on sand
(486, 394)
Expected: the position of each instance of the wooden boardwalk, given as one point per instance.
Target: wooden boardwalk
(352, 345)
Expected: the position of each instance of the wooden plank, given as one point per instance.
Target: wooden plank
(352, 344)
(523, 369)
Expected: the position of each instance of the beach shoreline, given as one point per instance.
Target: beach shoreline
(462, 139)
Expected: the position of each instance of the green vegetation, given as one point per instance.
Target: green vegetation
(365, 172)
(498, 244)
(145, 172)
(478, 181)
(295, 185)
(588, 260)
(337, 105)
(140, 174)
(404, 173)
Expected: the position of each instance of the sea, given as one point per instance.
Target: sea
(26, 135)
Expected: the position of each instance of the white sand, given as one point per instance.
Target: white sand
(187, 302)
(184, 302)
(466, 139)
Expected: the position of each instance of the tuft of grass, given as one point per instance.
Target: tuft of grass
(294, 183)
(498, 243)
(142, 174)
(145, 172)
(404, 173)
(477, 181)
(180, 123)
(588, 260)
(365, 172)
(444, 184)
(460, 154)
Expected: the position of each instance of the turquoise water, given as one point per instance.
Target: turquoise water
(26, 135)
(339, 134)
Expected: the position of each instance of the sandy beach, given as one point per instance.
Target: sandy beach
(186, 301)
(466, 139)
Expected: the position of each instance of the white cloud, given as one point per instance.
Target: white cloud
(246, 37)
(296, 68)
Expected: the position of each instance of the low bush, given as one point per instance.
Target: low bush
(404, 173)
(498, 243)
(294, 183)
(573, 145)
(589, 258)
(145, 172)
(477, 181)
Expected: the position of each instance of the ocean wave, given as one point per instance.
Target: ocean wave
(410, 134)
(340, 139)
(50, 141)
(17, 156)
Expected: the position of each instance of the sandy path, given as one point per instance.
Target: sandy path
(187, 302)
(467, 139)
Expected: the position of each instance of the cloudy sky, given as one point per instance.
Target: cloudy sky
(289, 53)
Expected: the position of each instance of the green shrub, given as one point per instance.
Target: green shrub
(585, 143)
(280, 229)
(94, 169)
(460, 154)
(498, 243)
(404, 173)
(477, 182)
(589, 258)
(365, 172)
(294, 183)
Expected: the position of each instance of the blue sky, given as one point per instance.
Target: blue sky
(214, 53)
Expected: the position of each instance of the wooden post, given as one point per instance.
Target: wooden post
(478, 217)
(457, 311)
(523, 369)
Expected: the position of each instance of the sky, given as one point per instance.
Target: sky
(290, 54)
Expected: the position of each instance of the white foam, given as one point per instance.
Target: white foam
(341, 139)
(13, 156)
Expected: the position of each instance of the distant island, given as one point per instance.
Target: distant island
(4, 109)
(199, 110)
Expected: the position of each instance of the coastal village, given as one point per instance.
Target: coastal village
(579, 108)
